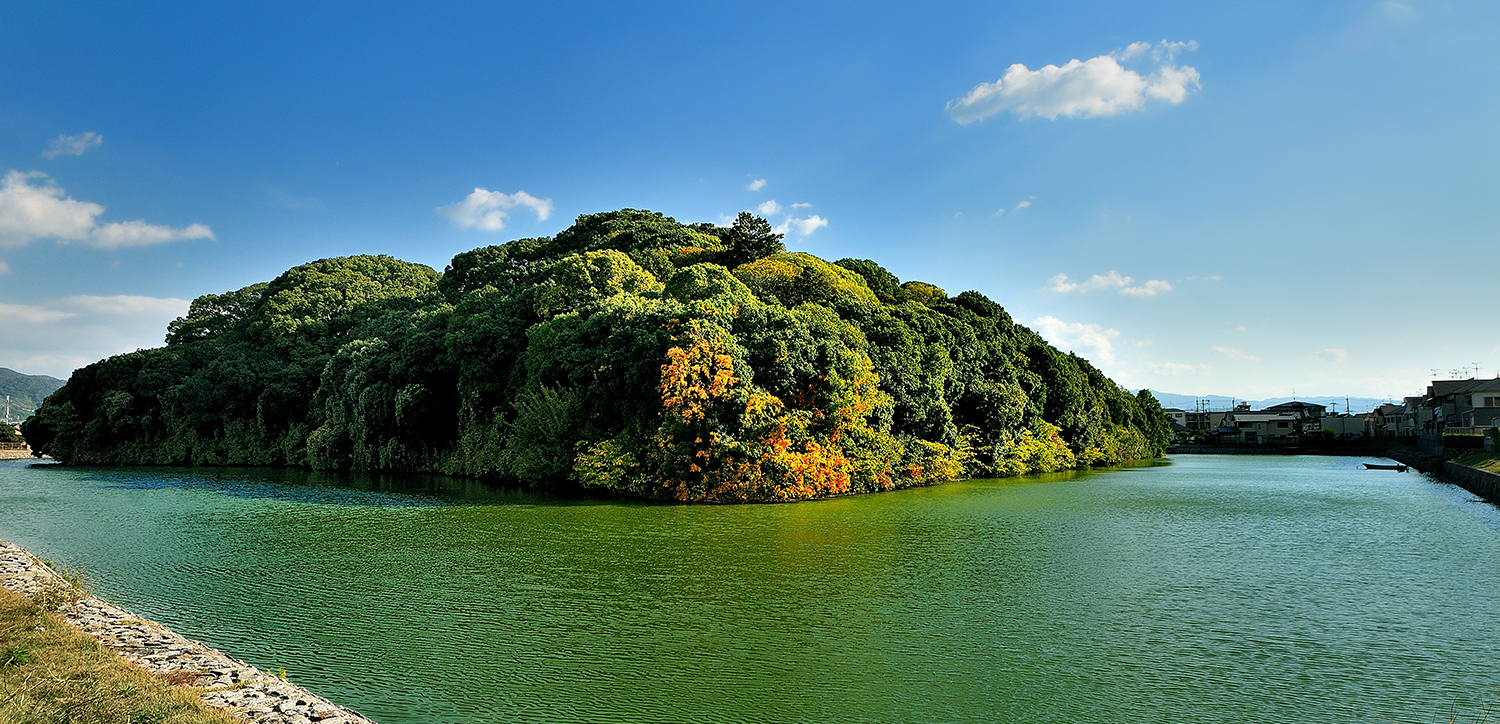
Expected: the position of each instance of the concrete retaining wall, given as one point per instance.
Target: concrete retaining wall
(1482, 483)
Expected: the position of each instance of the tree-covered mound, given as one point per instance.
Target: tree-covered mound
(629, 353)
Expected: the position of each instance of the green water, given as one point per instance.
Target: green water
(1212, 589)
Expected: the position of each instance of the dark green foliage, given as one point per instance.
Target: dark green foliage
(621, 353)
(749, 238)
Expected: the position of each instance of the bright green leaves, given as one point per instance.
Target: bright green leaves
(308, 299)
(588, 277)
(213, 314)
(793, 279)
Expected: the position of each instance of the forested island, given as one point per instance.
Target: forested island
(629, 353)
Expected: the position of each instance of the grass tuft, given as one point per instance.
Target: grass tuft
(56, 673)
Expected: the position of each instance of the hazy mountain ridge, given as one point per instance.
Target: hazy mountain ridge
(26, 391)
(1221, 402)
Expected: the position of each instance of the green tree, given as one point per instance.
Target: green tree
(749, 238)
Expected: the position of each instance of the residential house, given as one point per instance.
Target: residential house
(1347, 427)
(1392, 420)
(1263, 427)
(1463, 404)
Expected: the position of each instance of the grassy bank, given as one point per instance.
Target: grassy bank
(1480, 459)
(52, 672)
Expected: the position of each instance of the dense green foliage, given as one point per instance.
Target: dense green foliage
(629, 353)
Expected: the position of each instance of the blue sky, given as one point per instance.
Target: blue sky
(1241, 199)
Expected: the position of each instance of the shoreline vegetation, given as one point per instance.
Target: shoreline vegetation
(51, 671)
(628, 354)
(68, 656)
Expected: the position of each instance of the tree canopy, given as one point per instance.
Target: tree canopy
(628, 353)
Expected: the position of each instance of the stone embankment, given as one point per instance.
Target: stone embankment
(1482, 483)
(241, 689)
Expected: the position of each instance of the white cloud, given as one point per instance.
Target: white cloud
(1099, 86)
(1075, 335)
(1178, 369)
(1001, 212)
(126, 305)
(56, 336)
(1151, 288)
(768, 208)
(27, 314)
(799, 205)
(756, 185)
(803, 227)
(29, 211)
(32, 207)
(1022, 205)
(1112, 280)
(65, 145)
(139, 233)
(1235, 354)
(485, 209)
(4, 268)
(1332, 354)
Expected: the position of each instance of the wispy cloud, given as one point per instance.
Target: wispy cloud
(58, 335)
(1022, 205)
(756, 185)
(1235, 354)
(65, 145)
(1179, 369)
(1151, 288)
(1332, 354)
(119, 234)
(1076, 336)
(486, 210)
(1112, 280)
(1099, 86)
(790, 224)
(32, 207)
(4, 268)
(802, 227)
(282, 198)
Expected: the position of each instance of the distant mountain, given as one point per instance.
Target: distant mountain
(26, 392)
(1220, 402)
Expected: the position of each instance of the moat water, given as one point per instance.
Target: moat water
(1206, 589)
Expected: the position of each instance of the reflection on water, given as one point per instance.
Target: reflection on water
(310, 486)
(1231, 588)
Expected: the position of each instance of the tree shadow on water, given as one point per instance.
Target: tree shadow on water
(320, 487)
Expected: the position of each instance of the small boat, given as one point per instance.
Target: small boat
(1377, 466)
